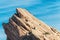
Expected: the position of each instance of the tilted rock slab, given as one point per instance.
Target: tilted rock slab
(24, 26)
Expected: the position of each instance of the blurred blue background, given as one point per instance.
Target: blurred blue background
(46, 10)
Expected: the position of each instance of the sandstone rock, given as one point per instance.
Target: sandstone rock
(24, 26)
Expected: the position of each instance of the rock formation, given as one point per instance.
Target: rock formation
(24, 26)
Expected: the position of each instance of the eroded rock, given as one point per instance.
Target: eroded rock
(24, 26)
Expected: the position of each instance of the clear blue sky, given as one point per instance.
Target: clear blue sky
(46, 10)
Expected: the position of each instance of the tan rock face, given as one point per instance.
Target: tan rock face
(24, 26)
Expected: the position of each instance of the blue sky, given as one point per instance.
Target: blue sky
(46, 10)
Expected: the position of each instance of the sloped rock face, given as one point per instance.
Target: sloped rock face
(24, 26)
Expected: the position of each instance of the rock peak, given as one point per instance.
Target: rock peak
(24, 26)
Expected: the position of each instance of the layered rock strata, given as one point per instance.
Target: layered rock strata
(24, 26)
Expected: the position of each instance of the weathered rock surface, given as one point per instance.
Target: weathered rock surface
(24, 26)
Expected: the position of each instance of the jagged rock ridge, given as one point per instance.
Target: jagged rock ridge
(24, 26)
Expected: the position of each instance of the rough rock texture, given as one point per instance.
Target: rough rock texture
(24, 26)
